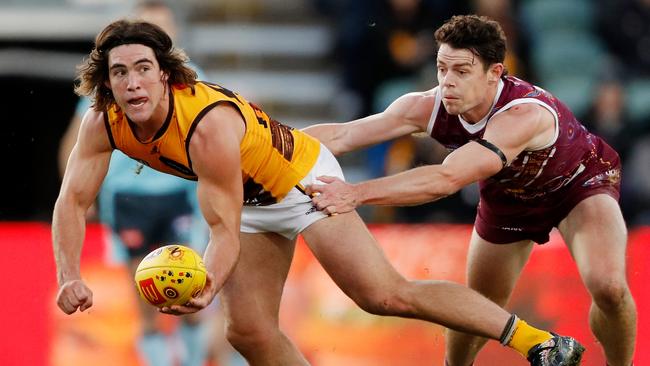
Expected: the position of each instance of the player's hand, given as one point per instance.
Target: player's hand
(334, 197)
(203, 299)
(74, 295)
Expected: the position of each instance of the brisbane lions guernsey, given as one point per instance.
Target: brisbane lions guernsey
(274, 157)
(539, 178)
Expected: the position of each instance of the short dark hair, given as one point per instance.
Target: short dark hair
(479, 34)
(93, 72)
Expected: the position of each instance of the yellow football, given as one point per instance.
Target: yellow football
(170, 275)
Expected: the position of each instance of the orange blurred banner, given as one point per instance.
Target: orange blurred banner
(325, 324)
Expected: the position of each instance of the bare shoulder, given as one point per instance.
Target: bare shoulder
(93, 132)
(216, 140)
(415, 107)
(523, 126)
(421, 98)
(524, 109)
(526, 115)
(93, 120)
(221, 122)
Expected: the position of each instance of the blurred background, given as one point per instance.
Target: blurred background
(304, 62)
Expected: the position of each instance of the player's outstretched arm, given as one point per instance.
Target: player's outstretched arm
(408, 114)
(523, 127)
(215, 156)
(84, 174)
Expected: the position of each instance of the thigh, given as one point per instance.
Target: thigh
(493, 269)
(350, 255)
(596, 235)
(251, 296)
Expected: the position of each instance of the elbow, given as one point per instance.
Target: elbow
(334, 146)
(336, 149)
(447, 189)
(450, 183)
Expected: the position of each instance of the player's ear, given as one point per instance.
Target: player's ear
(495, 71)
(164, 76)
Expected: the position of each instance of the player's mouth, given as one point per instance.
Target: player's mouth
(137, 102)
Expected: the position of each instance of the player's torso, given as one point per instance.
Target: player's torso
(274, 157)
(533, 176)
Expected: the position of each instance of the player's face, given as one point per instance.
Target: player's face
(137, 83)
(462, 80)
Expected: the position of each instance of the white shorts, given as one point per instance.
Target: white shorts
(295, 212)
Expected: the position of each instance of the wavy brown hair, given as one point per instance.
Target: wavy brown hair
(479, 34)
(92, 73)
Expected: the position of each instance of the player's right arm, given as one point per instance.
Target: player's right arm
(83, 176)
(407, 114)
(215, 155)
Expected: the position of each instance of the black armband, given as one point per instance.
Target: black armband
(508, 330)
(495, 149)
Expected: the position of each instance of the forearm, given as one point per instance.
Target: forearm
(412, 187)
(221, 255)
(68, 231)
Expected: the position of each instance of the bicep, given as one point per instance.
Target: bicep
(216, 161)
(408, 114)
(519, 128)
(88, 163)
(471, 163)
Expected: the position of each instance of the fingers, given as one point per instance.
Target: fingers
(327, 178)
(192, 306)
(74, 295)
(65, 305)
(202, 300)
(178, 310)
(86, 304)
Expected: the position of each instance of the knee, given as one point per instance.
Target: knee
(385, 301)
(609, 295)
(250, 336)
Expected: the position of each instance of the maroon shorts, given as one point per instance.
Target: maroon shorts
(535, 221)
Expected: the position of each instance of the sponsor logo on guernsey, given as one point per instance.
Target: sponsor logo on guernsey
(510, 228)
(611, 176)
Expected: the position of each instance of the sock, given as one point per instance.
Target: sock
(194, 342)
(524, 337)
(154, 349)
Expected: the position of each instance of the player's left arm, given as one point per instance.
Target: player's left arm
(512, 131)
(215, 155)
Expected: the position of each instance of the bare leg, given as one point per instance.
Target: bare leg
(492, 270)
(251, 299)
(350, 255)
(597, 237)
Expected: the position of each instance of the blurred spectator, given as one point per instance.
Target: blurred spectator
(505, 12)
(637, 182)
(385, 39)
(625, 27)
(608, 118)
